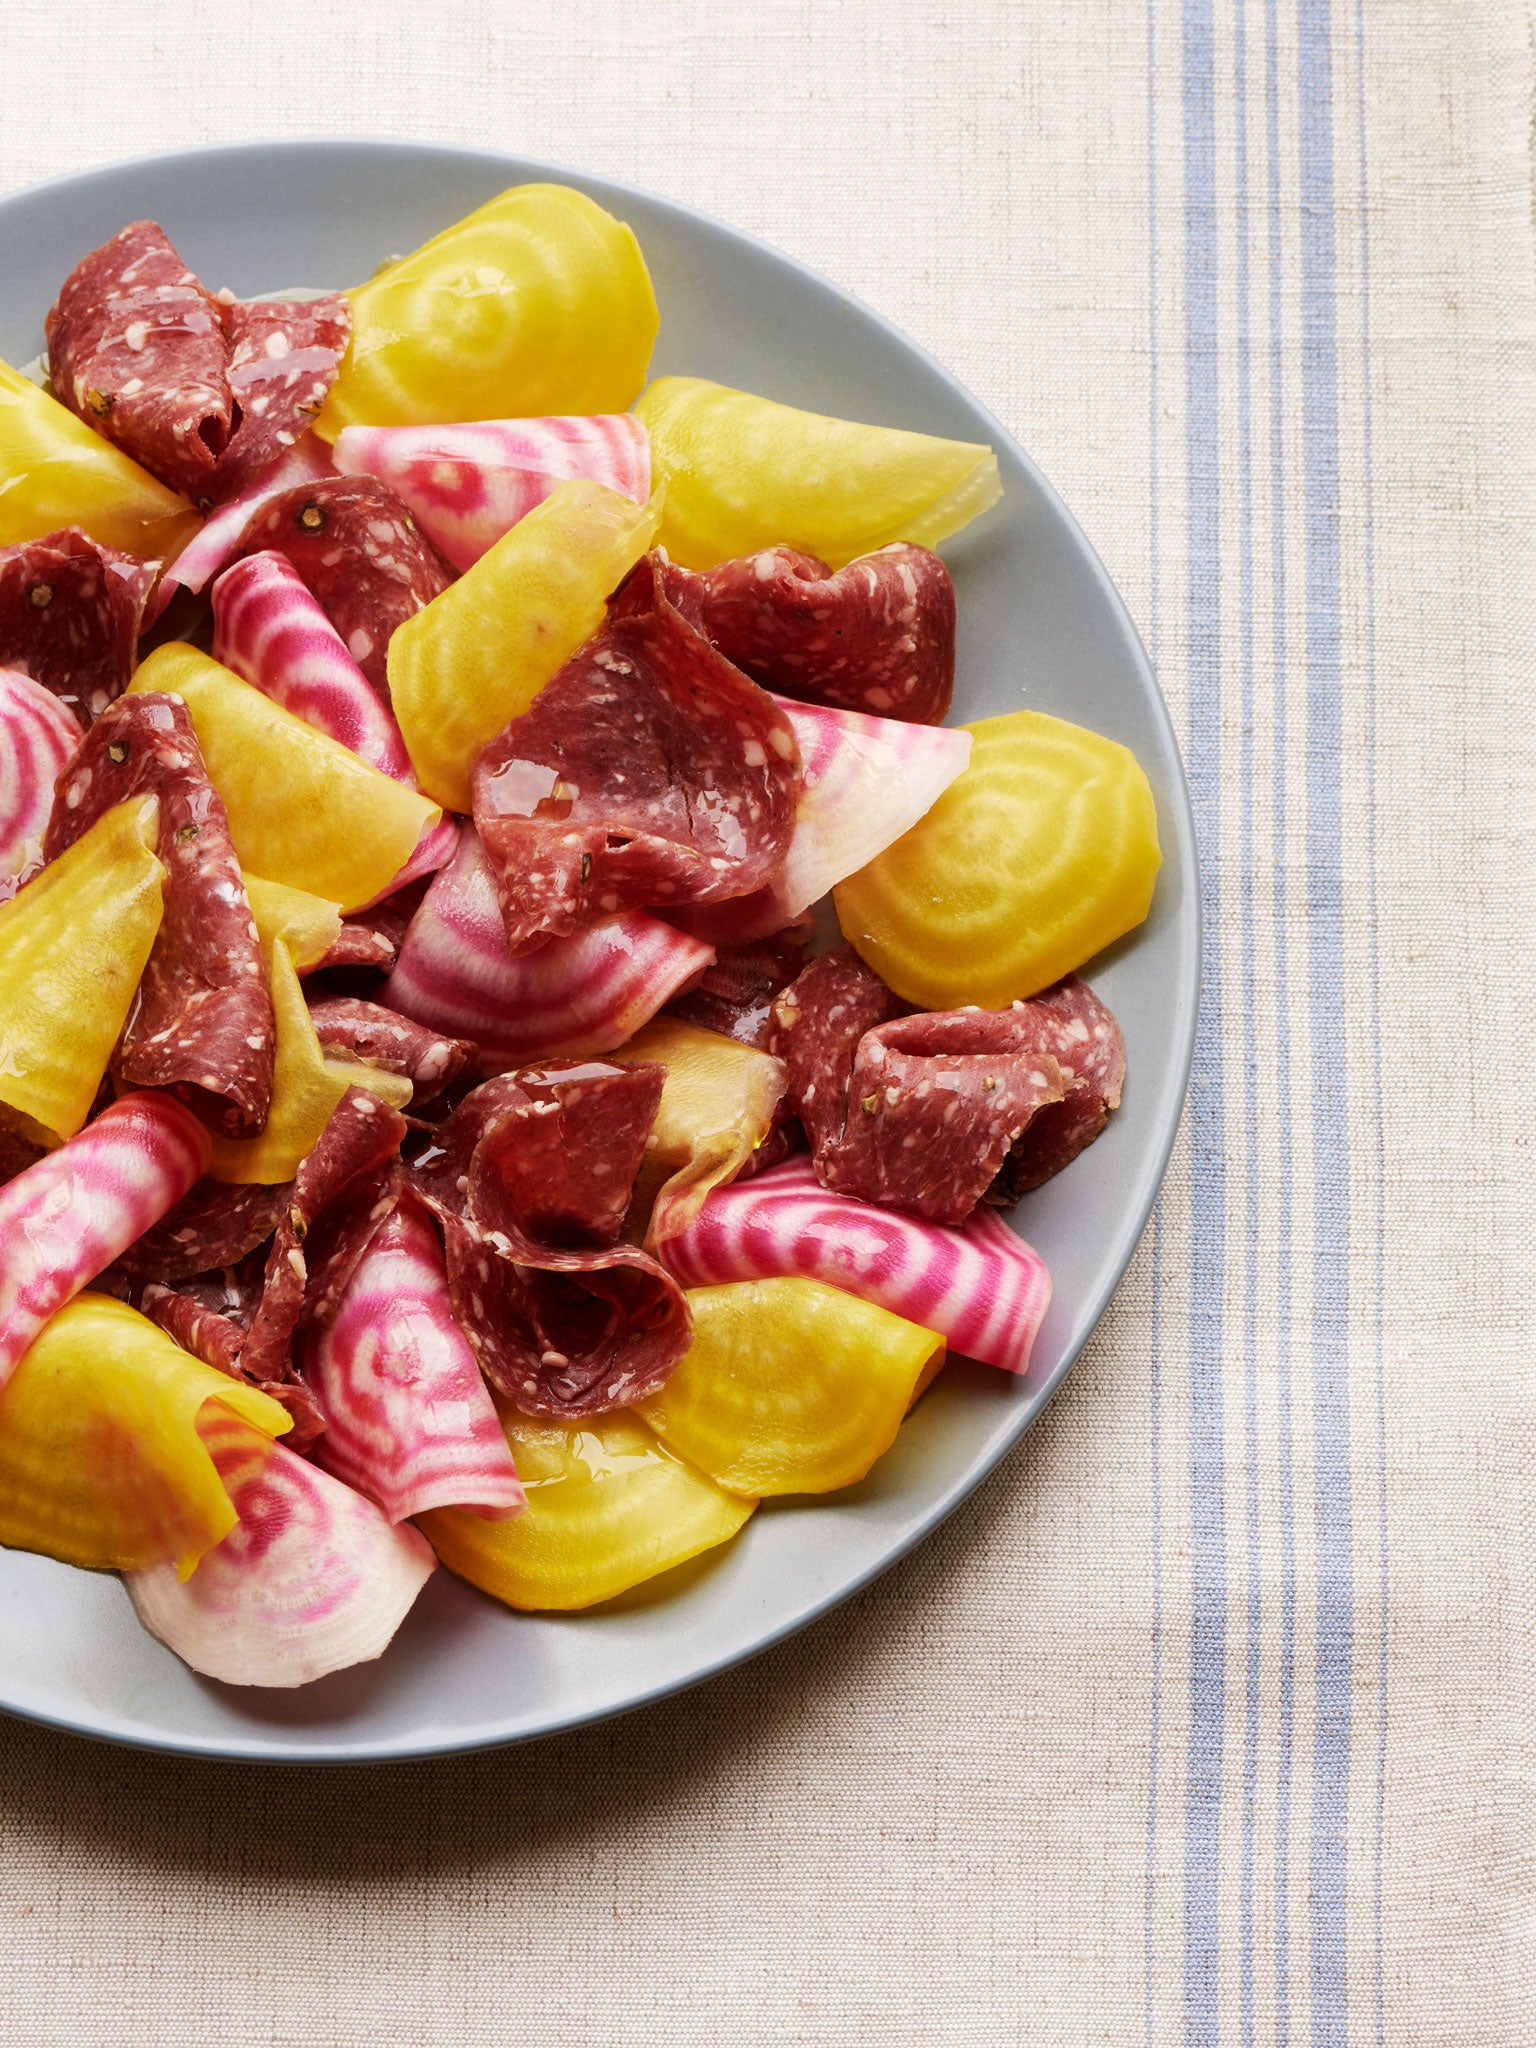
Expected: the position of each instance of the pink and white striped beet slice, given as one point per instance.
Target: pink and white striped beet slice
(409, 1421)
(469, 484)
(216, 539)
(585, 994)
(272, 633)
(311, 1579)
(38, 735)
(983, 1288)
(66, 1218)
(867, 780)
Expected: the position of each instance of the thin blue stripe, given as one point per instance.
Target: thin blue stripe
(1208, 1540)
(1246, 889)
(1378, 1274)
(1325, 961)
(1155, 624)
(1285, 1732)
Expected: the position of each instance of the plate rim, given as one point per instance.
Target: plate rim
(106, 1728)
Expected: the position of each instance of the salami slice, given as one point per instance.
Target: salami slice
(340, 1195)
(202, 1022)
(361, 555)
(929, 1112)
(373, 937)
(136, 347)
(283, 359)
(218, 1340)
(359, 1030)
(735, 995)
(70, 614)
(878, 635)
(212, 1227)
(648, 771)
(1091, 1054)
(558, 1331)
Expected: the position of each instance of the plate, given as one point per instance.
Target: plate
(1040, 624)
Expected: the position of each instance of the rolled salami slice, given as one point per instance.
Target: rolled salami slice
(469, 484)
(379, 1037)
(583, 995)
(647, 772)
(557, 1331)
(735, 994)
(215, 542)
(136, 348)
(360, 554)
(408, 1419)
(202, 1024)
(210, 1316)
(984, 1289)
(876, 636)
(38, 735)
(311, 1579)
(1091, 1054)
(282, 361)
(70, 615)
(65, 1219)
(343, 1191)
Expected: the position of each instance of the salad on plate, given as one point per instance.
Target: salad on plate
(518, 1018)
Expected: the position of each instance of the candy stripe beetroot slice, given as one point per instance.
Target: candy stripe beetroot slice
(65, 1219)
(982, 1287)
(409, 1421)
(585, 994)
(866, 782)
(38, 734)
(273, 634)
(469, 484)
(311, 1579)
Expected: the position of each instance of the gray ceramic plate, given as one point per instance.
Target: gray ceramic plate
(1040, 625)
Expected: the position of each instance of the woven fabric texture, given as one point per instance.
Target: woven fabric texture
(1208, 1719)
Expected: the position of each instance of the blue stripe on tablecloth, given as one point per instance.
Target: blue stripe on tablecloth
(1379, 1161)
(1325, 959)
(1207, 1106)
(1246, 887)
(1285, 1733)
(1155, 623)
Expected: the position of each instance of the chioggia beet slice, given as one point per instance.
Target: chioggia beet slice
(68, 1217)
(269, 631)
(470, 483)
(409, 1421)
(981, 1287)
(38, 735)
(311, 1579)
(585, 994)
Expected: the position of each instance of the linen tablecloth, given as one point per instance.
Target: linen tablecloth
(1208, 1719)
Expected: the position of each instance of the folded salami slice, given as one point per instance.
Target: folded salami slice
(359, 550)
(66, 1218)
(136, 348)
(735, 995)
(558, 1331)
(878, 635)
(924, 1111)
(205, 1332)
(354, 1029)
(215, 542)
(341, 1194)
(202, 1023)
(373, 937)
(283, 359)
(210, 1316)
(70, 615)
(1091, 1055)
(647, 772)
(212, 1227)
